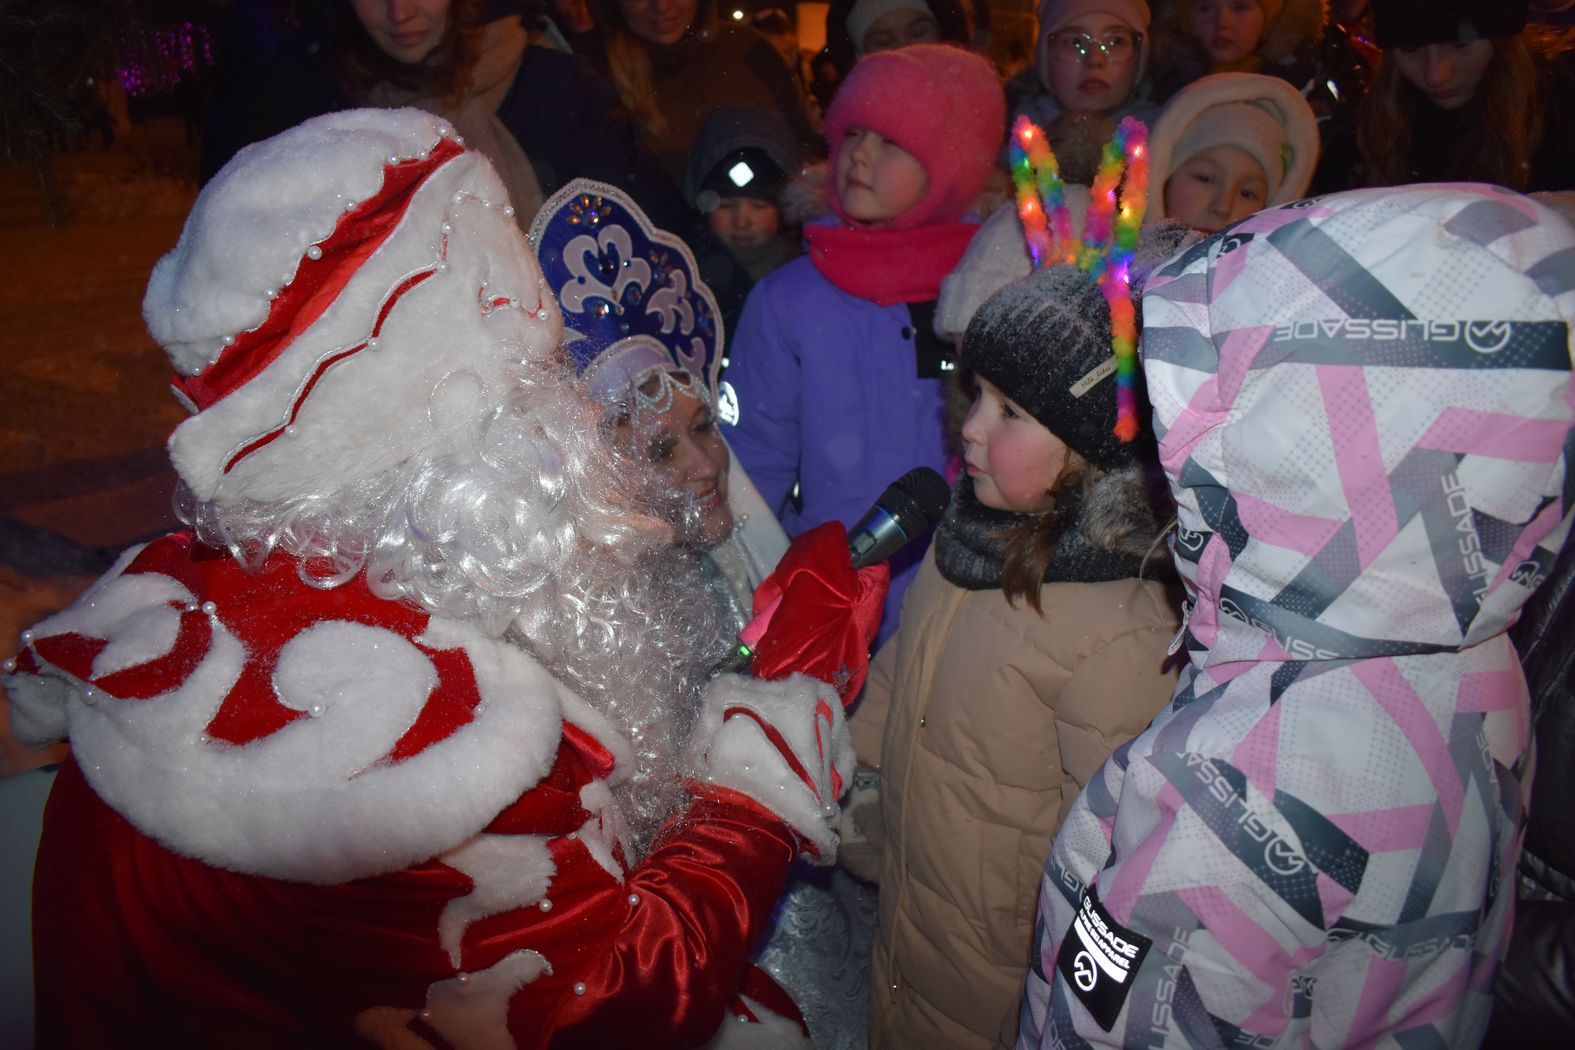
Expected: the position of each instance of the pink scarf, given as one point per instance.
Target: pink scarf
(888, 266)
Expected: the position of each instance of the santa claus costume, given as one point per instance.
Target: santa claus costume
(396, 745)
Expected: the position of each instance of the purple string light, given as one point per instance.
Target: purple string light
(158, 58)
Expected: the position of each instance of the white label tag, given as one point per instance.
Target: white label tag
(1098, 958)
(1104, 370)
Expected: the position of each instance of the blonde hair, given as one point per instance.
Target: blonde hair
(629, 66)
(629, 63)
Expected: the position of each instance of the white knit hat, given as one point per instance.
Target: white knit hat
(865, 12)
(341, 296)
(1053, 14)
(996, 256)
(1264, 116)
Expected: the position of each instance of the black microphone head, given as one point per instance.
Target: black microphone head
(908, 509)
(917, 499)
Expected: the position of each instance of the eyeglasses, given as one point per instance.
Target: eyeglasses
(1071, 48)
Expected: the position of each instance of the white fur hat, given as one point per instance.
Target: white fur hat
(1263, 115)
(996, 256)
(341, 296)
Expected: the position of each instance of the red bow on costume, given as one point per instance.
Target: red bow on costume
(827, 612)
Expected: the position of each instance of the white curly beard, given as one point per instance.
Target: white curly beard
(526, 523)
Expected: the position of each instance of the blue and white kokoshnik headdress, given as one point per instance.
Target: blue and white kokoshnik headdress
(634, 307)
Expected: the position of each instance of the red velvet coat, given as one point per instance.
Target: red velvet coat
(306, 817)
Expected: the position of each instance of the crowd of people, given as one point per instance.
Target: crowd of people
(540, 363)
(649, 97)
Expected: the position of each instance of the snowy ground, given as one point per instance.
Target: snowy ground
(85, 389)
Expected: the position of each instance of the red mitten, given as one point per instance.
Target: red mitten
(827, 612)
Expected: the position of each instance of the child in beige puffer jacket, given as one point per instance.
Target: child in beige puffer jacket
(1032, 644)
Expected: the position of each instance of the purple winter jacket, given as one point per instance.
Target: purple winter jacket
(1364, 408)
(829, 397)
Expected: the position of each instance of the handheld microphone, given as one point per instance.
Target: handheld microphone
(909, 508)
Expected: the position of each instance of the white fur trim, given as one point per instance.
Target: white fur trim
(38, 708)
(734, 750)
(1274, 96)
(440, 354)
(996, 256)
(507, 871)
(257, 218)
(604, 830)
(38, 702)
(311, 802)
(757, 535)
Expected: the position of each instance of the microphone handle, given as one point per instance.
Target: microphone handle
(877, 536)
(736, 663)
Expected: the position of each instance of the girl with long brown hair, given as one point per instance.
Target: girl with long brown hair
(1467, 91)
(674, 61)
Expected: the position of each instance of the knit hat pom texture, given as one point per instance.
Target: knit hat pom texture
(941, 104)
(1034, 340)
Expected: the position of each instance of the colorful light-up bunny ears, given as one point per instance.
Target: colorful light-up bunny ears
(1110, 233)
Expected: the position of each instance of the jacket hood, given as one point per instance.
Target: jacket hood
(733, 128)
(1289, 151)
(1364, 409)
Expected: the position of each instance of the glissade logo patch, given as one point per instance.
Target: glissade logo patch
(1098, 959)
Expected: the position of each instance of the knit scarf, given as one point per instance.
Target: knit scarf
(888, 266)
(970, 550)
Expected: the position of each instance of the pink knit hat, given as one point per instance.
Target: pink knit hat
(1053, 14)
(943, 105)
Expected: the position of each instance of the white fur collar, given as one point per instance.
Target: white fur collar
(316, 800)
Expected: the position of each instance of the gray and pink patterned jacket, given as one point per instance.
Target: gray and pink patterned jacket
(1364, 409)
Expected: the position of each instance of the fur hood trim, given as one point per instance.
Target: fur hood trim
(803, 199)
(1118, 512)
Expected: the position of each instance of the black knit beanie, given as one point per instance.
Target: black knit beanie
(1044, 341)
(1417, 23)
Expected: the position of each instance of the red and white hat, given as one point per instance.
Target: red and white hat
(342, 295)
